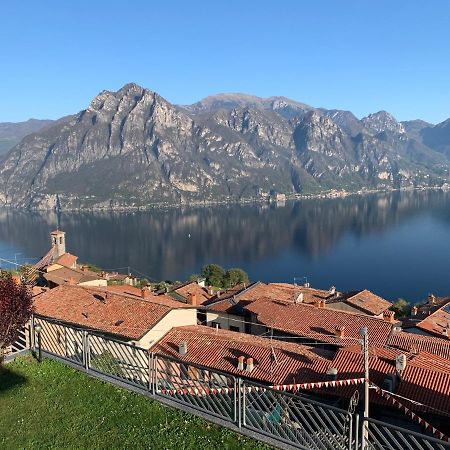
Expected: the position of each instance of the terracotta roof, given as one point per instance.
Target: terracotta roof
(96, 309)
(117, 276)
(318, 323)
(66, 259)
(410, 342)
(437, 323)
(45, 260)
(422, 380)
(274, 362)
(368, 302)
(231, 301)
(125, 289)
(193, 288)
(430, 305)
(65, 275)
(283, 291)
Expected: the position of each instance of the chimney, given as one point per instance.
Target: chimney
(103, 274)
(72, 282)
(389, 316)
(182, 348)
(321, 304)
(84, 268)
(250, 365)
(145, 292)
(432, 299)
(240, 365)
(332, 290)
(210, 290)
(332, 373)
(339, 331)
(192, 299)
(306, 285)
(414, 310)
(299, 298)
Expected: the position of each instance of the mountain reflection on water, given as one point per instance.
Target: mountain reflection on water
(397, 244)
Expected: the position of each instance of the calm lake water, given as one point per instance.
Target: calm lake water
(397, 245)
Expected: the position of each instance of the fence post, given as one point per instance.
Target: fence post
(244, 395)
(149, 370)
(86, 349)
(235, 400)
(239, 402)
(154, 373)
(357, 432)
(350, 432)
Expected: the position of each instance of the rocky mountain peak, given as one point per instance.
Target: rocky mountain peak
(382, 121)
(132, 148)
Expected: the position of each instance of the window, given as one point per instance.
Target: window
(215, 325)
(237, 329)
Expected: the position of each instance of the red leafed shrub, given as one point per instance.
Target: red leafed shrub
(15, 309)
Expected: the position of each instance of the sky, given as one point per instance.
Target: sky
(359, 55)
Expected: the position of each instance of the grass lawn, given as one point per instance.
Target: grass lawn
(49, 405)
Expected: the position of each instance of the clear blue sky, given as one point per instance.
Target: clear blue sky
(361, 55)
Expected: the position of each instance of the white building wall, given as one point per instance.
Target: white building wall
(175, 318)
(225, 320)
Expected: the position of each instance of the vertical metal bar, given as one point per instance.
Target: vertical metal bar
(149, 371)
(154, 372)
(235, 400)
(357, 432)
(244, 394)
(350, 432)
(240, 403)
(87, 351)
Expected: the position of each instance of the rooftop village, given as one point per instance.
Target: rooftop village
(272, 333)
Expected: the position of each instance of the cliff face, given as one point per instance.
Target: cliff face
(133, 148)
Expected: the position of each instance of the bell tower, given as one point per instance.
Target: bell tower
(58, 239)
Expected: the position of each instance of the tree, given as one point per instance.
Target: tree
(235, 276)
(194, 277)
(401, 307)
(15, 309)
(214, 275)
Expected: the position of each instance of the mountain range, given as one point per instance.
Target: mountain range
(132, 148)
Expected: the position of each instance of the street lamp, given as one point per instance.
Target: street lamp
(364, 333)
(38, 330)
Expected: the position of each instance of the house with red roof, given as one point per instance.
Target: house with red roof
(241, 355)
(318, 323)
(140, 321)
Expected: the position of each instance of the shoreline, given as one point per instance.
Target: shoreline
(329, 194)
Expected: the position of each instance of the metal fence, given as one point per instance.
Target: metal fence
(283, 418)
(19, 346)
(383, 436)
(295, 420)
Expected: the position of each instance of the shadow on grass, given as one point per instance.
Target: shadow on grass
(10, 379)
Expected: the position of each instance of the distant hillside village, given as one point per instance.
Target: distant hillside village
(277, 334)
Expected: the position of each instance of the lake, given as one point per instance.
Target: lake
(395, 244)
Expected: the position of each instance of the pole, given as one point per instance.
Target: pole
(40, 348)
(365, 347)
